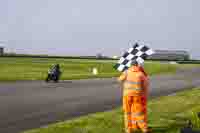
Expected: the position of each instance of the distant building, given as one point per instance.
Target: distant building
(99, 56)
(170, 55)
(1, 49)
(115, 57)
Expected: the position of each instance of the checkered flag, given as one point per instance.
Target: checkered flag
(136, 53)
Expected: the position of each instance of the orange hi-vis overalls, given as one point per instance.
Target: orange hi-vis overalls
(135, 87)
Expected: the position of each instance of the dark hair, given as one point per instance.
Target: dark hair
(134, 62)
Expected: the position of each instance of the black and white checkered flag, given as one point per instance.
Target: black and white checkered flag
(136, 53)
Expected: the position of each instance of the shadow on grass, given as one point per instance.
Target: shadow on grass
(179, 125)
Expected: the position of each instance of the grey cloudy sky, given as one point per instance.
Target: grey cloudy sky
(86, 27)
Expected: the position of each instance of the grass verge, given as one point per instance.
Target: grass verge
(13, 69)
(166, 115)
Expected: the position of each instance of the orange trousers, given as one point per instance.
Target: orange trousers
(135, 112)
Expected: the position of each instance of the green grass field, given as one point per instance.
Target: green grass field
(166, 115)
(12, 69)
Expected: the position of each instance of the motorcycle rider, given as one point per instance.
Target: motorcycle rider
(54, 73)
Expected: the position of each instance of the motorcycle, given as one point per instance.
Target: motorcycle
(53, 74)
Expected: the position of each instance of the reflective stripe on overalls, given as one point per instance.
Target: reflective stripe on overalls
(130, 86)
(134, 83)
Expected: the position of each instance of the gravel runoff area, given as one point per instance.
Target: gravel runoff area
(32, 104)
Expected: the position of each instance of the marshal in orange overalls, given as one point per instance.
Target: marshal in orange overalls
(135, 88)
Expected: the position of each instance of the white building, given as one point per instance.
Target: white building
(170, 55)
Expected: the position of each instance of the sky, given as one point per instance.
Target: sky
(88, 27)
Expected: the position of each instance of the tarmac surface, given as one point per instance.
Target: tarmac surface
(33, 104)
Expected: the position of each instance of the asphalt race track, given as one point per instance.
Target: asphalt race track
(32, 104)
